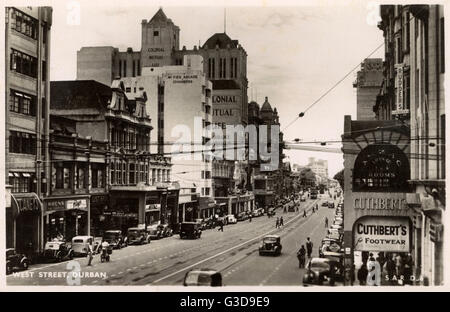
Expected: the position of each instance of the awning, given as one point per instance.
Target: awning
(26, 202)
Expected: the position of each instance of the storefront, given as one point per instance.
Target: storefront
(99, 204)
(66, 217)
(378, 222)
(24, 222)
(206, 207)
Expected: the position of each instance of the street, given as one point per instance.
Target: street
(233, 252)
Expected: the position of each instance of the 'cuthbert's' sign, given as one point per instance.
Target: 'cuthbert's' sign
(387, 203)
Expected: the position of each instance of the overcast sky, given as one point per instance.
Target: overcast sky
(295, 53)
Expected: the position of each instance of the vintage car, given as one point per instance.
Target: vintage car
(190, 230)
(242, 216)
(329, 245)
(303, 198)
(256, 213)
(58, 251)
(271, 211)
(80, 245)
(202, 277)
(202, 223)
(114, 238)
(231, 219)
(155, 231)
(137, 236)
(331, 204)
(325, 203)
(322, 270)
(15, 261)
(270, 245)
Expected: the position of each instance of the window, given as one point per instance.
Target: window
(62, 175)
(205, 191)
(132, 169)
(128, 89)
(23, 63)
(24, 24)
(44, 33)
(156, 33)
(22, 103)
(119, 173)
(442, 43)
(80, 177)
(94, 177)
(22, 143)
(44, 71)
(21, 182)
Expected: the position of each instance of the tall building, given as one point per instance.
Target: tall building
(413, 92)
(319, 167)
(27, 91)
(367, 84)
(179, 97)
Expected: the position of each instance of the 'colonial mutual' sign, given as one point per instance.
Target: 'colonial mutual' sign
(382, 234)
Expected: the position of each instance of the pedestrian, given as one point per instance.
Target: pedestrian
(304, 213)
(309, 247)
(317, 207)
(89, 254)
(301, 257)
(390, 268)
(362, 274)
(277, 223)
(326, 222)
(407, 268)
(220, 225)
(281, 221)
(250, 218)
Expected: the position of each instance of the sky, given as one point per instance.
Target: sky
(296, 51)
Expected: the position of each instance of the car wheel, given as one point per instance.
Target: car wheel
(9, 269)
(25, 265)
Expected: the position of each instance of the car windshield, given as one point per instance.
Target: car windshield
(78, 241)
(109, 235)
(319, 265)
(187, 226)
(133, 232)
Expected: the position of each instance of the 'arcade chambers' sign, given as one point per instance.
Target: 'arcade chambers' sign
(382, 234)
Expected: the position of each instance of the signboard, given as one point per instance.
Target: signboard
(226, 106)
(386, 234)
(80, 204)
(399, 103)
(55, 205)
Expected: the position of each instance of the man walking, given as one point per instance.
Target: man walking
(277, 223)
(304, 213)
(220, 225)
(309, 247)
(326, 222)
(281, 222)
(89, 254)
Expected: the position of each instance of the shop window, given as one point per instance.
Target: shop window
(21, 182)
(381, 168)
(63, 175)
(113, 173)
(80, 178)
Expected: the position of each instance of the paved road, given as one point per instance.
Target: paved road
(165, 262)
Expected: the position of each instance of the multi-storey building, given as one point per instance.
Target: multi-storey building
(367, 84)
(27, 90)
(319, 167)
(136, 182)
(180, 98)
(413, 92)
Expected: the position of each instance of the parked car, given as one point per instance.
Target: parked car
(331, 205)
(256, 213)
(15, 261)
(202, 223)
(58, 251)
(231, 219)
(138, 236)
(270, 245)
(325, 203)
(242, 216)
(271, 211)
(80, 245)
(322, 270)
(155, 231)
(202, 277)
(190, 230)
(114, 238)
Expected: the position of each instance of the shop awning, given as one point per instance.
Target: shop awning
(26, 202)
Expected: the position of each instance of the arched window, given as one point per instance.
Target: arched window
(381, 168)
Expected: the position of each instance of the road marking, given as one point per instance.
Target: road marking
(221, 253)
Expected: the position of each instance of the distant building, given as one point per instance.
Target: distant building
(367, 84)
(319, 167)
(27, 94)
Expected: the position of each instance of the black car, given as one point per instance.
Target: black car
(242, 216)
(270, 245)
(190, 230)
(114, 238)
(320, 271)
(202, 277)
(58, 251)
(15, 261)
